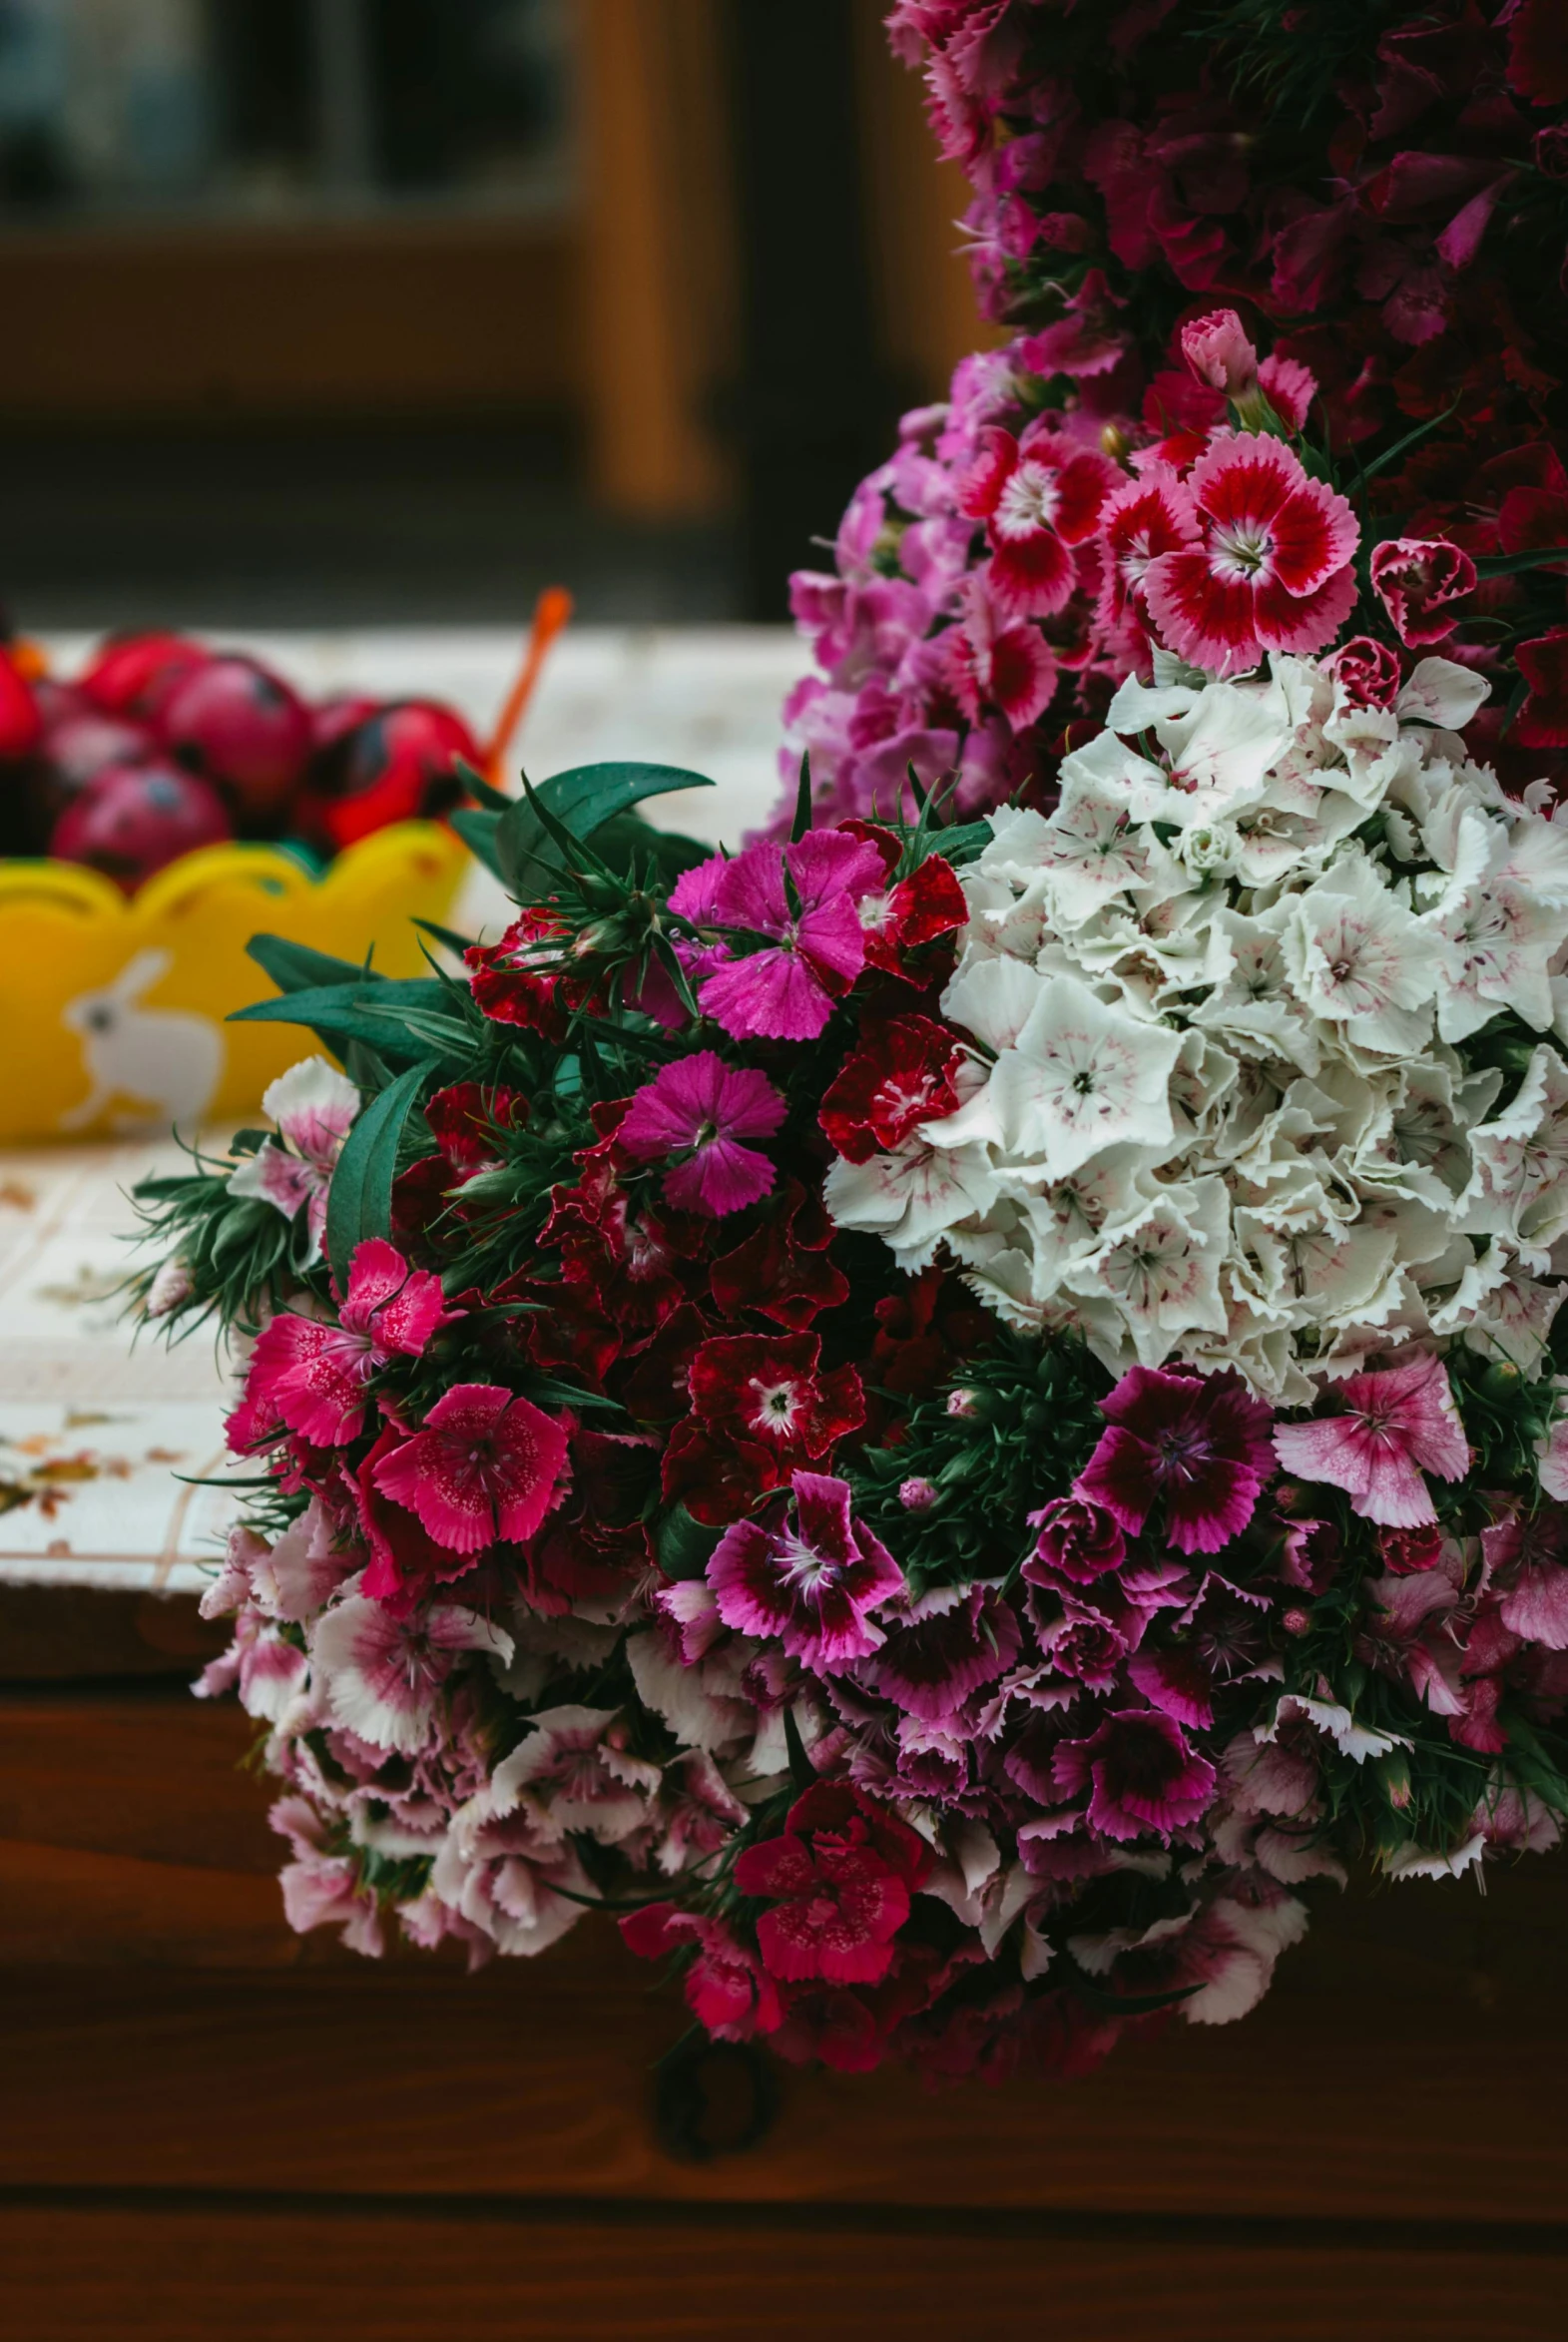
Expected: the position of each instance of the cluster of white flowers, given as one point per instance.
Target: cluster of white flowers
(1214, 1011)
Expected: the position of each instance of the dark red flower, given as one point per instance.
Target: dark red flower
(762, 1407)
(838, 1883)
(1537, 50)
(956, 1638)
(1078, 1543)
(899, 1078)
(1416, 579)
(1198, 1443)
(1404, 1552)
(525, 979)
(782, 1270)
(1367, 671)
(1543, 719)
(922, 909)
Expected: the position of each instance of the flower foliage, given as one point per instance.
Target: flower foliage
(946, 1413)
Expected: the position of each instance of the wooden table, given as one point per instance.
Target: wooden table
(215, 2127)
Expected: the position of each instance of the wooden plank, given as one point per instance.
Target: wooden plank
(89, 2273)
(137, 1868)
(76, 1633)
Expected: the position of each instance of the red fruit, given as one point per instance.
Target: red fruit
(396, 764)
(133, 818)
(133, 674)
(333, 719)
(242, 726)
(80, 746)
(20, 722)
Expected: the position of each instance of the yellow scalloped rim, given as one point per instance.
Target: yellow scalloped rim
(112, 1009)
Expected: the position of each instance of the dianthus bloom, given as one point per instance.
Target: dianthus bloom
(1394, 1426)
(314, 1106)
(837, 1884)
(1198, 1444)
(1272, 571)
(812, 1582)
(1416, 579)
(791, 909)
(314, 1377)
(695, 1113)
(484, 1467)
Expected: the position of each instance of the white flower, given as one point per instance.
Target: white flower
(1163, 1271)
(1359, 960)
(1442, 695)
(912, 1197)
(1081, 1077)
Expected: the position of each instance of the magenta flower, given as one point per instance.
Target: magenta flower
(485, 1467)
(838, 1882)
(813, 1582)
(1394, 1426)
(799, 903)
(727, 1989)
(1140, 1772)
(1273, 570)
(999, 662)
(314, 1377)
(1198, 1444)
(1219, 353)
(1040, 498)
(1077, 1541)
(695, 1112)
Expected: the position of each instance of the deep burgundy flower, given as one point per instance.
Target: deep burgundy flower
(1416, 579)
(1537, 50)
(1198, 1446)
(782, 1270)
(838, 1882)
(524, 979)
(1367, 671)
(1543, 719)
(1141, 1773)
(813, 1581)
(761, 1409)
(1078, 1543)
(917, 913)
(899, 1078)
(956, 1638)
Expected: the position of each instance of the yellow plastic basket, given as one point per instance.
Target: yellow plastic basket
(112, 1011)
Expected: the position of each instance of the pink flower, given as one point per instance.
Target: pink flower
(575, 1775)
(1199, 1444)
(383, 1677)
(1140, 1772)
(1039, 496)
(838, 1882)
(1416, 578)
(485, 1467)
(1394, 1425)
(998, 661)
(320, 1889)
(314, 1106)
(949, 1642)
(698, 1110)
(1148, 516)
(813, 945)
(1273, 570)
(314, 1378)
(727, 1989)
(812, 1582)
(1219, 353)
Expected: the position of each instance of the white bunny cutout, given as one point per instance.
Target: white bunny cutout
(168, 1060)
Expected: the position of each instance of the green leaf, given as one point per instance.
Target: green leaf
(802, 1770)
(295, 967)
(580, 800)
(626, 838)
(359, 1200)
(477, 831)
(1510, 564)
(802, 801)
(358, 1011)
(494, 800)
(684, 1544)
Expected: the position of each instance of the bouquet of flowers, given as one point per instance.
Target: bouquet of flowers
(943, 1415)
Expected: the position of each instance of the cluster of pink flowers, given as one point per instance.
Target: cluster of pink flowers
(1403, 260)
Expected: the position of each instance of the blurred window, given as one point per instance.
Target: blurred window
(278, 107)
